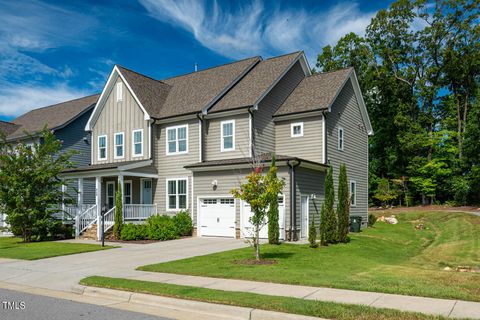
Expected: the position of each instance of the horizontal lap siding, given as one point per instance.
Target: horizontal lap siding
(263, 122)
(172, 166)
(346, 113)
(242, 138)
(308, 147)
(124, 116)
(228, 180)
(75, 138)
(309, 182)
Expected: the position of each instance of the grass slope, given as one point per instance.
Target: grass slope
(14, 248)
(387, 258)
(314, 308)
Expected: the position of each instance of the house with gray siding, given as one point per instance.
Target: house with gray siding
(183, 143)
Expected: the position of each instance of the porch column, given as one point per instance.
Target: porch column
(98, 202)
(80, 192)
(122, 186)
(64, 190)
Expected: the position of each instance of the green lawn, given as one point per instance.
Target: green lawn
(14, 248)
(315, 308)
(387, 258)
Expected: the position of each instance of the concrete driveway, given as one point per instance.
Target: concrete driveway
(64, 273)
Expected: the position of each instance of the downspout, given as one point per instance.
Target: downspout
(293, 201)
(325, 136)
(252, 133)
(152, 132)
(202, 137)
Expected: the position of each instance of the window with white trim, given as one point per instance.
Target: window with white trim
(176, 194)
(296, 129)
(177, 139)
(137, 143)
(119, 145)
(127, 192)
(102, 147)
(228, 135)
(353, 193)
(341, 139)
(119, 91)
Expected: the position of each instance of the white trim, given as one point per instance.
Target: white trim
(354, 204)
(131, 191)
(115, 145)
(106, 193)
(191, 209)
(292, 126)
(134, 155)
(106, 147)
(119, 91)
(108, 87)
(250, 141)
(342, 146)
(308, 216)
(177, 208)
(222, 149)
(176, 128)
(200, 140)
(324, 139)
(141, 188)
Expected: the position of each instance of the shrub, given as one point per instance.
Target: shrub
(161, 228)
(118, 217)
(132, 231)
(312, 235)
(183, 223)
(371, 219)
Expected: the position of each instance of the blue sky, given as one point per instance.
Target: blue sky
(55, 51)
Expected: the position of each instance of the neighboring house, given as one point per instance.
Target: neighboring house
(184, 143)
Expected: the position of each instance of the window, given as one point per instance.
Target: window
(102, 147)
(296, 130)
(127, 192)
(341, 139)
(110, 194)
(353, 193)
(177, 140)
(137, 143)
(119, 92)
(228, 135)
(176, 194)
(119, 153)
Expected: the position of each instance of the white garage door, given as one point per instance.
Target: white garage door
(217, 217)
(247, 227)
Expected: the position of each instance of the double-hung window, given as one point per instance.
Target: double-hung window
(176, 194)
(137, 143)
(353, 193)
(102, 147)
(341, 139)
(127, 192)
(177, 139)
(296, 130)
(228, 135)
(119, 145)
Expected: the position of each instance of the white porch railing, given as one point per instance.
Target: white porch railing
(139, 211)
(75, 210)
(85, 219)
(109, 219)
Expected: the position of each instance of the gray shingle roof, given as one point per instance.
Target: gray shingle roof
(255, 83)
(315, 92)
(7, 127)
(54, 116)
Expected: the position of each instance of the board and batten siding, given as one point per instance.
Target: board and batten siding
(262, 118)
(124, 116)
(213, 138)
(346, 114)
(172, 166)
(309, 146)
(228, 180)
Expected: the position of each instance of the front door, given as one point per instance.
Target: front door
(304, 217)
(110, 194)
(146, 191)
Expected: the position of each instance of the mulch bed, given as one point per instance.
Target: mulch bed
(253, 262)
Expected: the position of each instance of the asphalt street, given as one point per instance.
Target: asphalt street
(19, 306)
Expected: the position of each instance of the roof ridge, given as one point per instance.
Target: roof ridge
(331, 71)
(56, 104)
(286, 54)
(221, 65)
(141, 74)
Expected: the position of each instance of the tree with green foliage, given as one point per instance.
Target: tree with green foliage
(118, 218)
(312, 235)
(273, 217)
(383, 193)
(258, 191)
(323, 225)
(31, 184)
(343, 205)
(330, 216)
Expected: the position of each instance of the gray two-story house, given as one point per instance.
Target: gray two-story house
(185, 142)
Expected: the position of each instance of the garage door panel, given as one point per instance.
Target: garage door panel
(247, 227)
(217, 217)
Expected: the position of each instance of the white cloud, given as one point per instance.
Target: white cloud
(253, 29)
(16, 100)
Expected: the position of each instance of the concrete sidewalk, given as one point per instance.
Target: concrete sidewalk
(443, 307)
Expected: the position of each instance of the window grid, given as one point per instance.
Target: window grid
(177, 140)
(102, 147)
(341, 139)
(296, 129)
(137, 142)
(176, 194)
(119, 145)
(228, 135)
(353, 193)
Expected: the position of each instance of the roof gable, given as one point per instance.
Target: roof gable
(7, 127)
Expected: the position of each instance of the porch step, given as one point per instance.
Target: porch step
(90, 233)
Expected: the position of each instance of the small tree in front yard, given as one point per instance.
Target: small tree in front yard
(312, 235)
(31, 186)
(118, 223)
(330, 222)
(343, 205)
(258, 191)
(323, 225)
(273, 227)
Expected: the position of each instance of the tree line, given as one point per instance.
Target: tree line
(418, 66)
